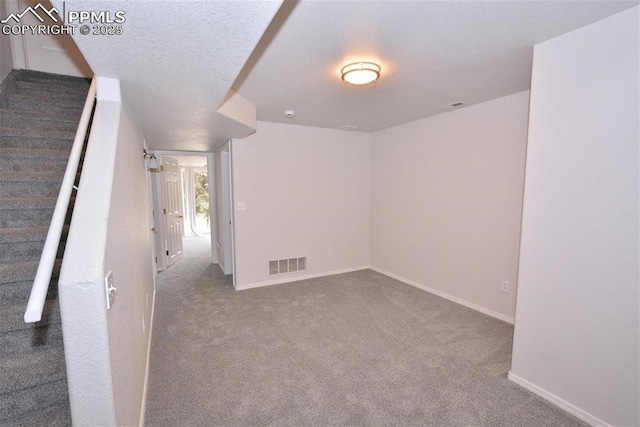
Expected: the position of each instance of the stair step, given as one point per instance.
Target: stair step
(47, 94)
(24, 402)
(42, 115)
(79, 84)
(45, 176)
(25, 212)
(34, 338)
(18, 160)
(26, 243)
(23, 234)
(12, 317)
(27, 102)
(33, 133)
(17, 293)
(26, 370)
(21, 244)
(32, 184)
(24, 119)
(23, 271)
(54, 416)
(49, 78)
(19, 153)
(78, 90)
(33, 188)
(39, 102)
(39, 143)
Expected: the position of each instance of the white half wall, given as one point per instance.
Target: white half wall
(446, 202)
(306, 190)
(106, 351)
(128, 255)
(576, 338)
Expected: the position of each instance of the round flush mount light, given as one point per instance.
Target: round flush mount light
(360, 73)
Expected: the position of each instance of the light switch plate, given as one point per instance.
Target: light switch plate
(242, 206)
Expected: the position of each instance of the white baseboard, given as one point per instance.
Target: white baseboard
(573, 410)
(146, 371)
(296, 278)
(444, 295)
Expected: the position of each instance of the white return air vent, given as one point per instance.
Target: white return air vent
(290, 265)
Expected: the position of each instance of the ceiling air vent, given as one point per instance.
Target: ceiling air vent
(289, 265)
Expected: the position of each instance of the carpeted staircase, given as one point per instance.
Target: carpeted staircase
(39, 114)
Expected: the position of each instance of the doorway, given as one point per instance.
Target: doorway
(195, 182)
(183, 205)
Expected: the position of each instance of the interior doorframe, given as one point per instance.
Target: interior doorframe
(212, 194)
(226, 220)
(233, 216)
(160, 236)
(152, 218)
(213, 208)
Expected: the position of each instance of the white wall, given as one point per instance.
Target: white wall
(577, 320)
(307, 190)
(6, 60)
(106, 351)
(128, 255)
(446, 202)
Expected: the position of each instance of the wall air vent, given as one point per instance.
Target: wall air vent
(289, 265)
(348, 127)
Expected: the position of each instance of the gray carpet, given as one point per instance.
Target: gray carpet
(353, 349)
(39, 114)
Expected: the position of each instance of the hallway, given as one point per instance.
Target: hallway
(174, 345)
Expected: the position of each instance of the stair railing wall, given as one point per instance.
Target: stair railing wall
(41, 282)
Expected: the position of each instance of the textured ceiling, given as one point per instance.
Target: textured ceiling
(432, 53)
(176, 61)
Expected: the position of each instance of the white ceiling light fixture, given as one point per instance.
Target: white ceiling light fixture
(360, 73)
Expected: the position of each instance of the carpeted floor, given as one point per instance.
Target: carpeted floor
(352, 349)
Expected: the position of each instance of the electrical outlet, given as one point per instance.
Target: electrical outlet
(505, 286)
(330, 252)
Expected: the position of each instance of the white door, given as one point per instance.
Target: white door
(56, 54)
(172, 210)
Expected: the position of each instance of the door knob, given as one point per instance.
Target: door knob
(180, 216)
